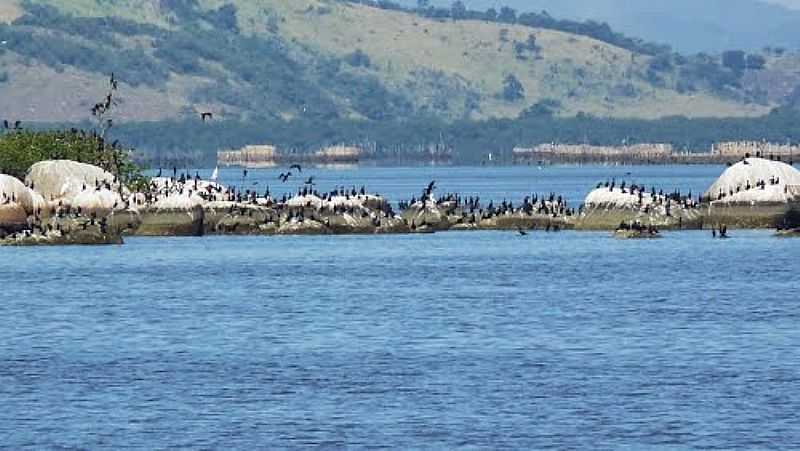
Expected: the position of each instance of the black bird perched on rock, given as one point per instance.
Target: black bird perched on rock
(430, 188)
(5, 124)
(205, 116)
(296, 166)
(17, 125)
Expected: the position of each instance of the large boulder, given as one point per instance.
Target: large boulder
(427, 214)
(12, 218)
(172, 215)
(610, 198)
(17, 204)
(357, 223)
(79, 186)
(65, 179)
(14, 191)
(232, 218)
(755, 193)
(307, 227)
(605, 208)
(97, 202)
(367, 201)
(66, 230)
(756, 181)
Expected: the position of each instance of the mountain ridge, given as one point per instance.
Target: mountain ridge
(689, 26)
(334, 59)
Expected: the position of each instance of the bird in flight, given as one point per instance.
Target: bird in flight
(296, 166)
(310, 181)
(206, 116)
(285, 177)
(521, 232)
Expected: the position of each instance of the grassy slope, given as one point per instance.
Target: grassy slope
(440, 64)
(32, 95)
(9, 11)
(402, 43)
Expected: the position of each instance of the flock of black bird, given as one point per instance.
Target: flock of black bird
(471, 208)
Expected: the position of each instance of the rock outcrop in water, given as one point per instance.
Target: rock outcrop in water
(175, 214)
(73, 203)
(66, 181)
(17, 203)
(453, 212)
(755, 193)
(69, 187)
(65, 230)
(607, 207)
(64, 202)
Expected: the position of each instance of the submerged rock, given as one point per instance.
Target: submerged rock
(788, 232)
(636, 235)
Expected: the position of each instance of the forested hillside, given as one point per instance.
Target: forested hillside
(305, 73)
(270, 58)
(689, 26)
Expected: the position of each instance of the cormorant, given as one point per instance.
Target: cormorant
(430, 188)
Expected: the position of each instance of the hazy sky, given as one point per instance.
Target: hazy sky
(795, 4)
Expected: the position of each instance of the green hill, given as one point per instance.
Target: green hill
(323, 59)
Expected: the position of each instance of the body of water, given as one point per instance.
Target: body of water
(454, 340)
(490, 183)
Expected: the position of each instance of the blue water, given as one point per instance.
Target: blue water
(454, 340)
(490, 183)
